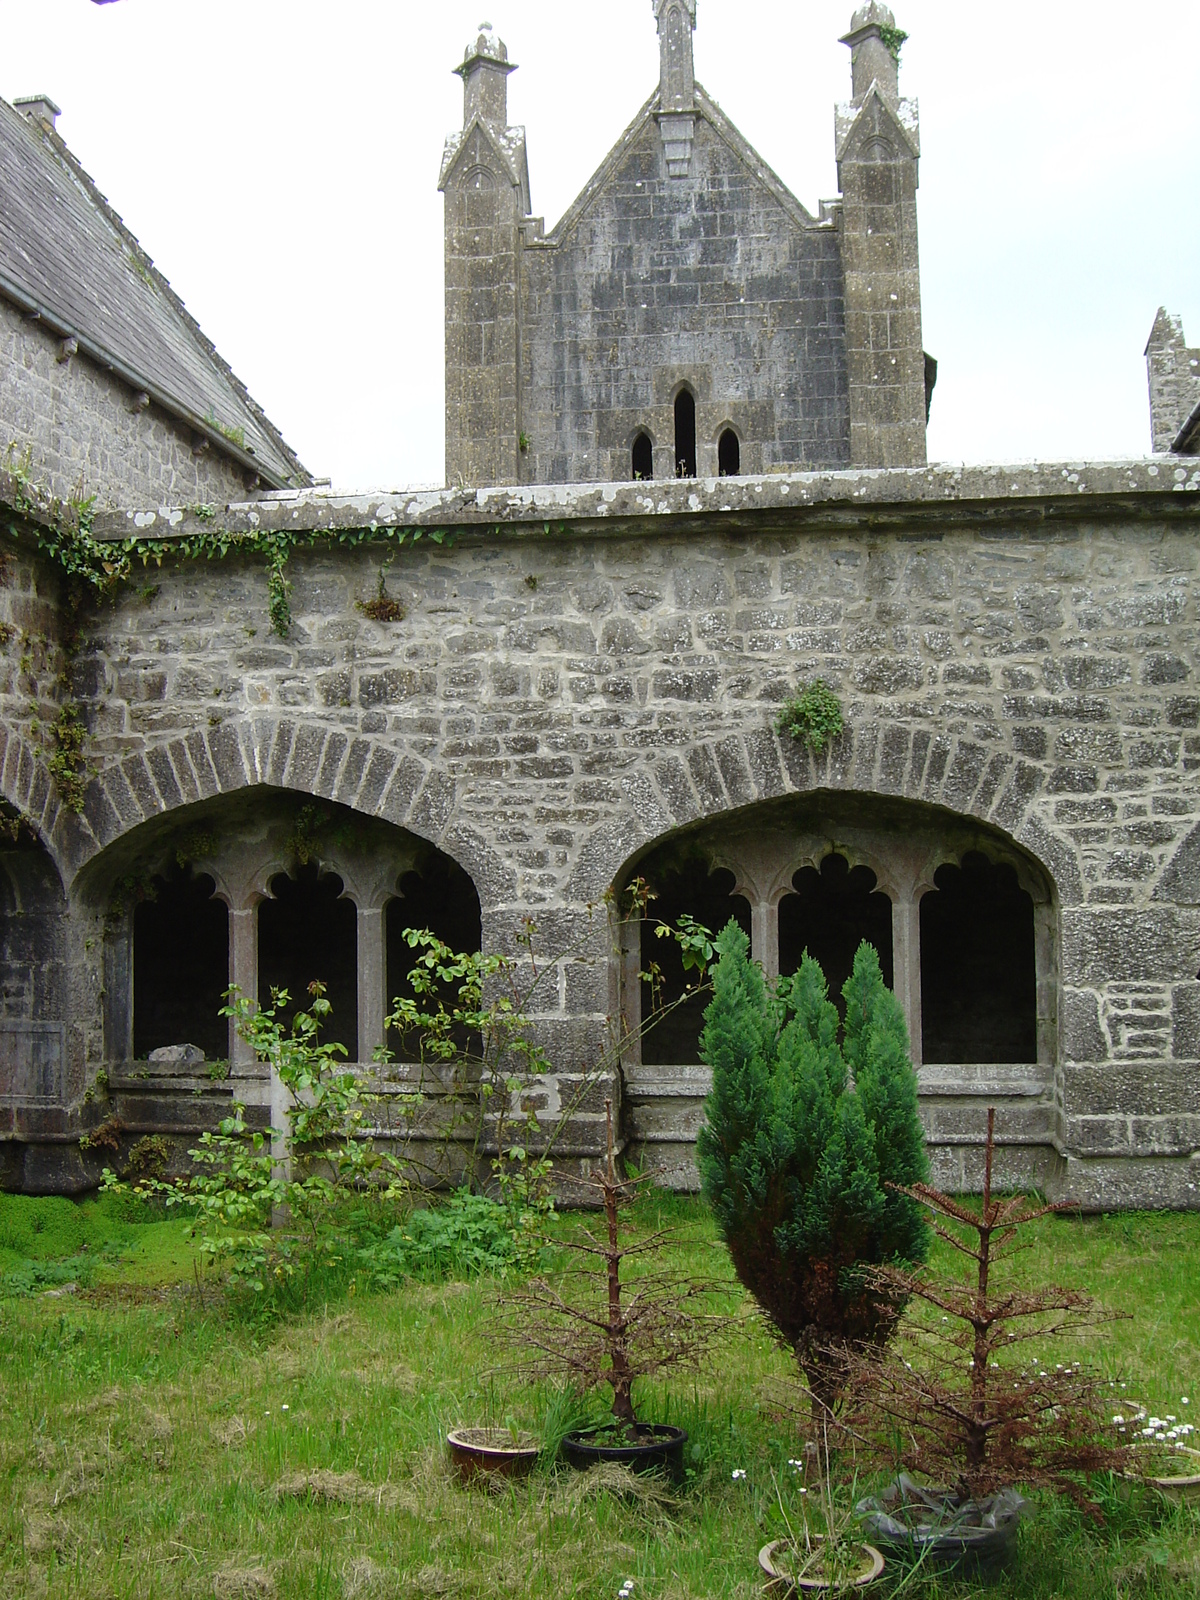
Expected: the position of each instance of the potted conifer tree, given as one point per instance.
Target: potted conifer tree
(601, 1327)
(975, 1409)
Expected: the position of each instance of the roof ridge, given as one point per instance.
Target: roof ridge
(51, 144)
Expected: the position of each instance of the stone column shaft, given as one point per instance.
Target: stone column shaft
(906, 966)
(372, 981)
(764, 935)
(243, 975)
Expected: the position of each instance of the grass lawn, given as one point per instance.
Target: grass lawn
(153, 1445)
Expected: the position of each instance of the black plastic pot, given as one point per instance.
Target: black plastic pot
(659, 1449)
(941, 1528)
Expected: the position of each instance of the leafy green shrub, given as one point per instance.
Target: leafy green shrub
(805, 1133)
(813, 717)
(469, 1236)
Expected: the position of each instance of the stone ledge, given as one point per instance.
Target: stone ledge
(1145, 486)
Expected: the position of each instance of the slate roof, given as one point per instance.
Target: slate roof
(65, 254)
(1188, 442)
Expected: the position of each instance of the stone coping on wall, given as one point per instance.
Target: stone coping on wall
(1144, 487)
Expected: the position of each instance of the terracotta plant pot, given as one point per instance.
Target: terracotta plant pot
(658, 1449)
(775, 1560)
(1181, 1483)
(492, 1452)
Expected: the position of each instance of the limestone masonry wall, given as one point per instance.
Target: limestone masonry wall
(579, 678)
(710, 282)
(87, 434)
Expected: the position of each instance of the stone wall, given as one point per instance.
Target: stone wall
(583, 673)
(709, 281)
(88, 435)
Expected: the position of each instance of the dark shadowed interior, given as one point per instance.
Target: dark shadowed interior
(181, 967)
(978, 972)
(307, 932)
(441, 899)
(688, 888)
(829, 915)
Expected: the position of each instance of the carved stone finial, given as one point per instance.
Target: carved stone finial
(484, 72)
(677, 83)
(874, 42)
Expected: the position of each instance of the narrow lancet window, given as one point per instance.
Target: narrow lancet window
(729, 454)
(685, 434)
(643, 457)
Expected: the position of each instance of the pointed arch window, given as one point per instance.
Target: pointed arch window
(729, 454)
(685, 434)
(643, 457)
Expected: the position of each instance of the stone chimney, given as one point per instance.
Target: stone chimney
(38, 108)
(874, 42)
(484, 73)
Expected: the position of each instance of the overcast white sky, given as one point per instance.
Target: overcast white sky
(279, 160)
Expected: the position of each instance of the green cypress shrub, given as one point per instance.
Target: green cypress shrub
(808, 1124)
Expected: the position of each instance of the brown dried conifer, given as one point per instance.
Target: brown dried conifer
(973, 1409)
(613, 1330)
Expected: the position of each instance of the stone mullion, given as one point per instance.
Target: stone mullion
(764, 933)
(906, 963)
(630, 1013)
(243, 976)
(118, 991)
(372, 980)
(1047, 983)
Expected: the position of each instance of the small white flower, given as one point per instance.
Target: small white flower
(283, 1408)
(738, 1472)
(1185, 1401)
(804, 1491)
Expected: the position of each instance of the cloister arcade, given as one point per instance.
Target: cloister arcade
(264, 892)
(963, 922)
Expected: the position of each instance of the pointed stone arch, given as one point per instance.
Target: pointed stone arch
(27, 785)
(379, 778)
(710, 778)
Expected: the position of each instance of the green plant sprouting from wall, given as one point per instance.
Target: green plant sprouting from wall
(279, 595)
(68, 761)
(813, 717)
(894, 39)
(195, 846)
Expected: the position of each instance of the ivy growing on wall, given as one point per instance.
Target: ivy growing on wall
(63, 532)
(67, 761)
(895, 40)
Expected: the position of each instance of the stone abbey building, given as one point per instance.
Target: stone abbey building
(235, 764)
(687, 315)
